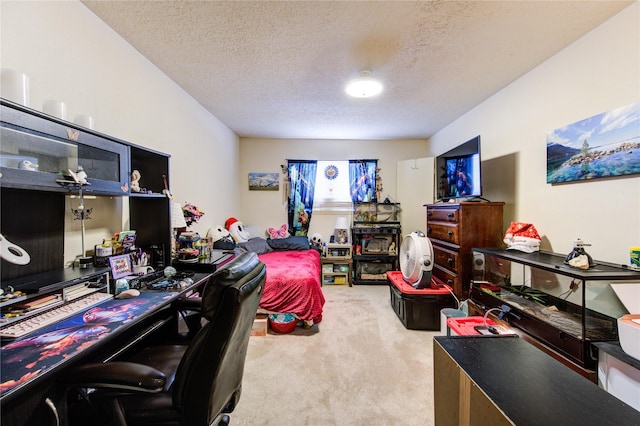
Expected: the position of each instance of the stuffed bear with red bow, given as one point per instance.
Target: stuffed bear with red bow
(236, 229)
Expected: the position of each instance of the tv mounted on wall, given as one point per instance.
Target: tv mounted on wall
(459, 174)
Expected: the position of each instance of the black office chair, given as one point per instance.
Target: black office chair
(177, 384)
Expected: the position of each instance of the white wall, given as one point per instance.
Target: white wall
(415, 183)
(73, 56)
(597, 73)
(263, 209)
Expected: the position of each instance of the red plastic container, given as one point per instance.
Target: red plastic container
(465, 326)
(282, 323)
(418, 309)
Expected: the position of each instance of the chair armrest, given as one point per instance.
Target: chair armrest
(188, 304)
(126, 376)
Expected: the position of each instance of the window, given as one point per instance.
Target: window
(332, 186)
(339, 183)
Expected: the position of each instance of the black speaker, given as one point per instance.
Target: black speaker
(156, 253)
(478, 266)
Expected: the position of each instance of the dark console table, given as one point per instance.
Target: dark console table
(505, 380)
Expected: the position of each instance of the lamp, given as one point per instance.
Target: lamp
(177, 223)
(364, 86)
(177, 217)
(340, 230)
(82, 214)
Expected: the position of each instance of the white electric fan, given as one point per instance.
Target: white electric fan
(416, 259)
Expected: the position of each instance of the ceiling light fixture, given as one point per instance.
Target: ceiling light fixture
(364, 86)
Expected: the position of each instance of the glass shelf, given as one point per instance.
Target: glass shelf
(564, 307)
(39, 151)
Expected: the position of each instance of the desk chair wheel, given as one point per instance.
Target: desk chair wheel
(224, 420)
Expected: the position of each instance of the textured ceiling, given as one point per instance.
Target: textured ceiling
(278, 69)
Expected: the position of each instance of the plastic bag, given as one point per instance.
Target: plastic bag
(522, 236)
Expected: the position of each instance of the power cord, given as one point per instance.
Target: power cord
(504, 309)
(454, 296)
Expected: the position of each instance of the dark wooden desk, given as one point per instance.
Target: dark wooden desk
(31, 365)
(218, 259)
(505, 380)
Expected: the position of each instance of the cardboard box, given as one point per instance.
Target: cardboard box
(340, 279)
(260, 325)
(629, 325)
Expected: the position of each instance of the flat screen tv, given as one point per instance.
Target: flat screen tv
(459, 172)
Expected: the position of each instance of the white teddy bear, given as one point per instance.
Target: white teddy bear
(236, 229)
(222, 239)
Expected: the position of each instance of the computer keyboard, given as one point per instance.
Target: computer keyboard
(39, 320)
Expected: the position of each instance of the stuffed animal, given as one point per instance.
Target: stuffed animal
(282, 232)
(135, 181)
(27, 165)
(236, 229)
(316, 241)
(222, 239)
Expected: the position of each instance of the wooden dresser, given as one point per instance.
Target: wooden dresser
(454, 229)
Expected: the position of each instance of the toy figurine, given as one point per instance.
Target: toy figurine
(27, 165)
(392, 249)
(80, 176)
(135, 181)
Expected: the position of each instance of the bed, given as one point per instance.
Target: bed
(293, 277)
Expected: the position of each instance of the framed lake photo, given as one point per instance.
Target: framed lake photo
(602, 146)
(264, 181)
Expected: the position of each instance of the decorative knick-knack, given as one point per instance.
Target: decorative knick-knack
(574, 259)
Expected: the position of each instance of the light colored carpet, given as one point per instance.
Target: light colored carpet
(359, 366)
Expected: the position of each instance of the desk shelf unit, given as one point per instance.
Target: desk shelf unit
(336, 264)
(43, 220)
(35, 215)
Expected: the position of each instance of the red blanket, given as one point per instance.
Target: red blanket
(293, 284)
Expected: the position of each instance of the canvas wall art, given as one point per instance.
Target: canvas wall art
(264, 181)
(605, 145)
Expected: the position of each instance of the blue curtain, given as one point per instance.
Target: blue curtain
(362, 175)
(302, 178)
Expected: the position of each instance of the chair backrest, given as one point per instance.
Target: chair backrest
(209, 377)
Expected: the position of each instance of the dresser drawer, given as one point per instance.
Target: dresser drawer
(444, 232)
(449, 278)
(447, 258)
(444, 215)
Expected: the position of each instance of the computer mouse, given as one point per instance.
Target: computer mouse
(128, 294)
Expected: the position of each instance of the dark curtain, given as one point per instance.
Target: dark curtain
(302, 178)
(362, 175)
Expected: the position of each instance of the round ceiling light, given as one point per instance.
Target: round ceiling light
(364, 86)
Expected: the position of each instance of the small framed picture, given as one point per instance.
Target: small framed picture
(264, 181)
(120, 266)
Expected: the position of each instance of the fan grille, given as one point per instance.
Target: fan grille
(414, 252)
(410, 264)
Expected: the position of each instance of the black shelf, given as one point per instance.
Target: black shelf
(57, 145)
(382, 239)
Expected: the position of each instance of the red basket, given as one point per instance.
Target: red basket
(282, 323)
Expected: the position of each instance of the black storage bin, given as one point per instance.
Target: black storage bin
(418, 309)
